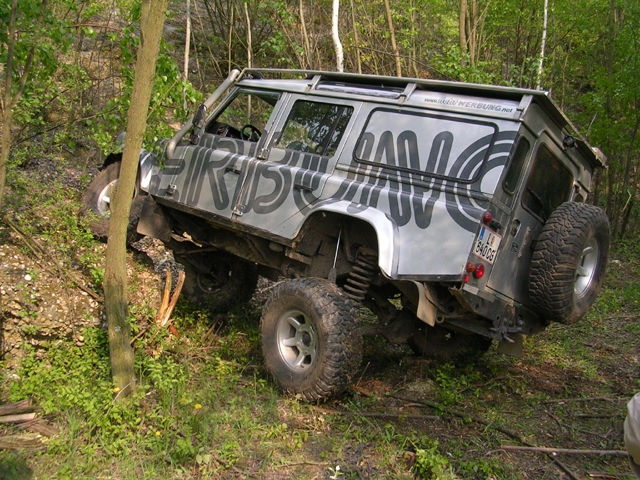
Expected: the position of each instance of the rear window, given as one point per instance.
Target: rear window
(548, 186)
(429, 145)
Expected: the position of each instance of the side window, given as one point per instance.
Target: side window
(245, 116)
(315, 127)
(548, 186)
(515, 167)
(426, 144)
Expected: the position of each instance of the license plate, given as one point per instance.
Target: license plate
(487, 245)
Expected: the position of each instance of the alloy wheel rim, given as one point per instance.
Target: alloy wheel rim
(586, 267)
(104, 198)
(297, 340)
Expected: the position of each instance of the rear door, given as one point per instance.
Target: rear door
(534, 185)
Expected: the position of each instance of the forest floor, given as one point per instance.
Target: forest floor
(205, 407)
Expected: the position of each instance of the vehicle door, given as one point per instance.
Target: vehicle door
(301, 155)
(536, 182)
(207, 174)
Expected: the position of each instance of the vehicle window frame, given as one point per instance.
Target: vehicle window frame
(528, 192)
(421, 173)
(220, 110)
(326, 143)
(516, 163)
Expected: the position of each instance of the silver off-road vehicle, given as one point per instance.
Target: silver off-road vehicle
(454, 212)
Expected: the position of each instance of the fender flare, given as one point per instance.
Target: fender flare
(386, 230)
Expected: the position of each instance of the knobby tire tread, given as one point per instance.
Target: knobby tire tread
(342, 346)
(554, 262)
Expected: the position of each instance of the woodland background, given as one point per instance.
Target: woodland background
(205, 407)
(76, 61)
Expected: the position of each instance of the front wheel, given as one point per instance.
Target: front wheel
(310, 338)
(96, 204)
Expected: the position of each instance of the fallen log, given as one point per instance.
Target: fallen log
(25, 441)
(571, 451)
(18, 418)
(23, 406)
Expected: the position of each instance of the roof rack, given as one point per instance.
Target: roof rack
(409, 85)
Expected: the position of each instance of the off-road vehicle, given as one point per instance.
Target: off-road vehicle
(454, 212)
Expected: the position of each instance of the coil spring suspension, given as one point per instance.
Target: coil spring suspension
(361, 275)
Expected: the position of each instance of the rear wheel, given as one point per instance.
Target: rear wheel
(310, 338)
(218, 281)
(440, 343)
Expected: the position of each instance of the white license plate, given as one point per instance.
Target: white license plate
(487, 245)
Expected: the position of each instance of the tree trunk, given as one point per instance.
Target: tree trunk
(462, 30)
(10, 100)
(187, 45)
(305, 37)
(394, 45)
(544, 43)
(249, 58)
(336, 37)
(230, 35)
(115, 277)
(356, 40)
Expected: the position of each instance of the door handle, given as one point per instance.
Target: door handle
(232, 170)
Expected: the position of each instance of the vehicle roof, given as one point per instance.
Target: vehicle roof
(414, 91)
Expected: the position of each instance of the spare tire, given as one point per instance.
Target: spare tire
(569, 262)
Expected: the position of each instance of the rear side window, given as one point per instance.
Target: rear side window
(315, 127)
(548, 186)
(515, 167)
(425, 144)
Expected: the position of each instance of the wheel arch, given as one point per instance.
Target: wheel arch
(385, 229)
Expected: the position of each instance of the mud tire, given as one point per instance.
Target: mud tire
(218, 281)
(310, 338)
(96, 210)
(444, 345)
(569, 262)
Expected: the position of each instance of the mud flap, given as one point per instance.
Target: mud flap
(153, 222)
(513, 349)
(427, 306)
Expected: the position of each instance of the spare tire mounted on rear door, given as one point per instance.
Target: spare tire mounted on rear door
(569, 261)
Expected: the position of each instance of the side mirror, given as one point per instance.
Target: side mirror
(198, 122)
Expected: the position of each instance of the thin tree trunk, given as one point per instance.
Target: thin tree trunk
(414, 54)
(473, 32)
(336, 37)
(462, 30)
(204, 34)
(7, 105)
(544, 43)
(115, 277)
(249, 59)
(394, 45)
(355, 37)
(305, 37)
(10, 100)
(187, 46)
(230, 34)
(611, 192)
